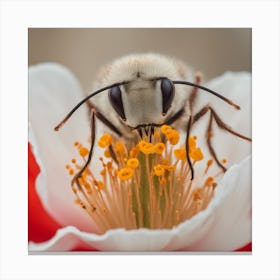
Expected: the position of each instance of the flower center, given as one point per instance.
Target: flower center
(146, 185)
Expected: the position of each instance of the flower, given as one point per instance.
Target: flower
(52, 92)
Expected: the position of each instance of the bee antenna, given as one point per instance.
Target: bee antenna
(83, 101)
(209, 90)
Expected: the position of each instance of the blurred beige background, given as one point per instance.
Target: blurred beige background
(84, 50)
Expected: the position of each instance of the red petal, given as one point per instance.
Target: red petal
(41, 226)
(84, 248)
(246, 248)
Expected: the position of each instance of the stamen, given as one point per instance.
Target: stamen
(209, 181)
(172, 135)
(146, 185)
(105, 141)
(196, 154)
(146, 147)
(159, 148)
(119, 148)
(158, 170)
(134, 152)
(157, 135)
(107, 154)
(209, 163)
(180, 154)
(192, 142)
(164, 128)
(133, 163)
(83, 151)
(125, 173)
(100, 185)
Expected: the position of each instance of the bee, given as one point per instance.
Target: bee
(138, 93)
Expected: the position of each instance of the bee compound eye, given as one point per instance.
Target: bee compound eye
(115, 97)
(167, 91)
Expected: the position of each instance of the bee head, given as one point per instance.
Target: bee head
(149, 94)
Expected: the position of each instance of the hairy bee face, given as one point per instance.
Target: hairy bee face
(144, 99)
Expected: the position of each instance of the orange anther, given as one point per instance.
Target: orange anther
(125, 173)
(192, 142)
(173, 136)
(158, 170)
(105, 140)
(107, 153)
(83, 151)
(165, 128)
(120, 148)
(196, 154)
(146, 147)
(159, 148)
(134, 152)
(180, 154)
(133, 163)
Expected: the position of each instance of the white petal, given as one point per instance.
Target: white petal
(237, 87)
(217, 228)
(231, 228)
(53, 92)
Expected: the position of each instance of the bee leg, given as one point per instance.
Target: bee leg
(113, 154)
(226, 127)
(209, 135)
(189, 124)
(209, 132)
(104, 120)
(80, 173)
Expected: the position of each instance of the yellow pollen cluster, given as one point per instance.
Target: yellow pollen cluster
(143, 183)
(180, 154)
(171, 134)
(146, 147)
(159, 148)
(158, 169)
(133, 163)
(83, 151)
(105, 141)
(125, 173)
(119, 148)
(194, 152)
